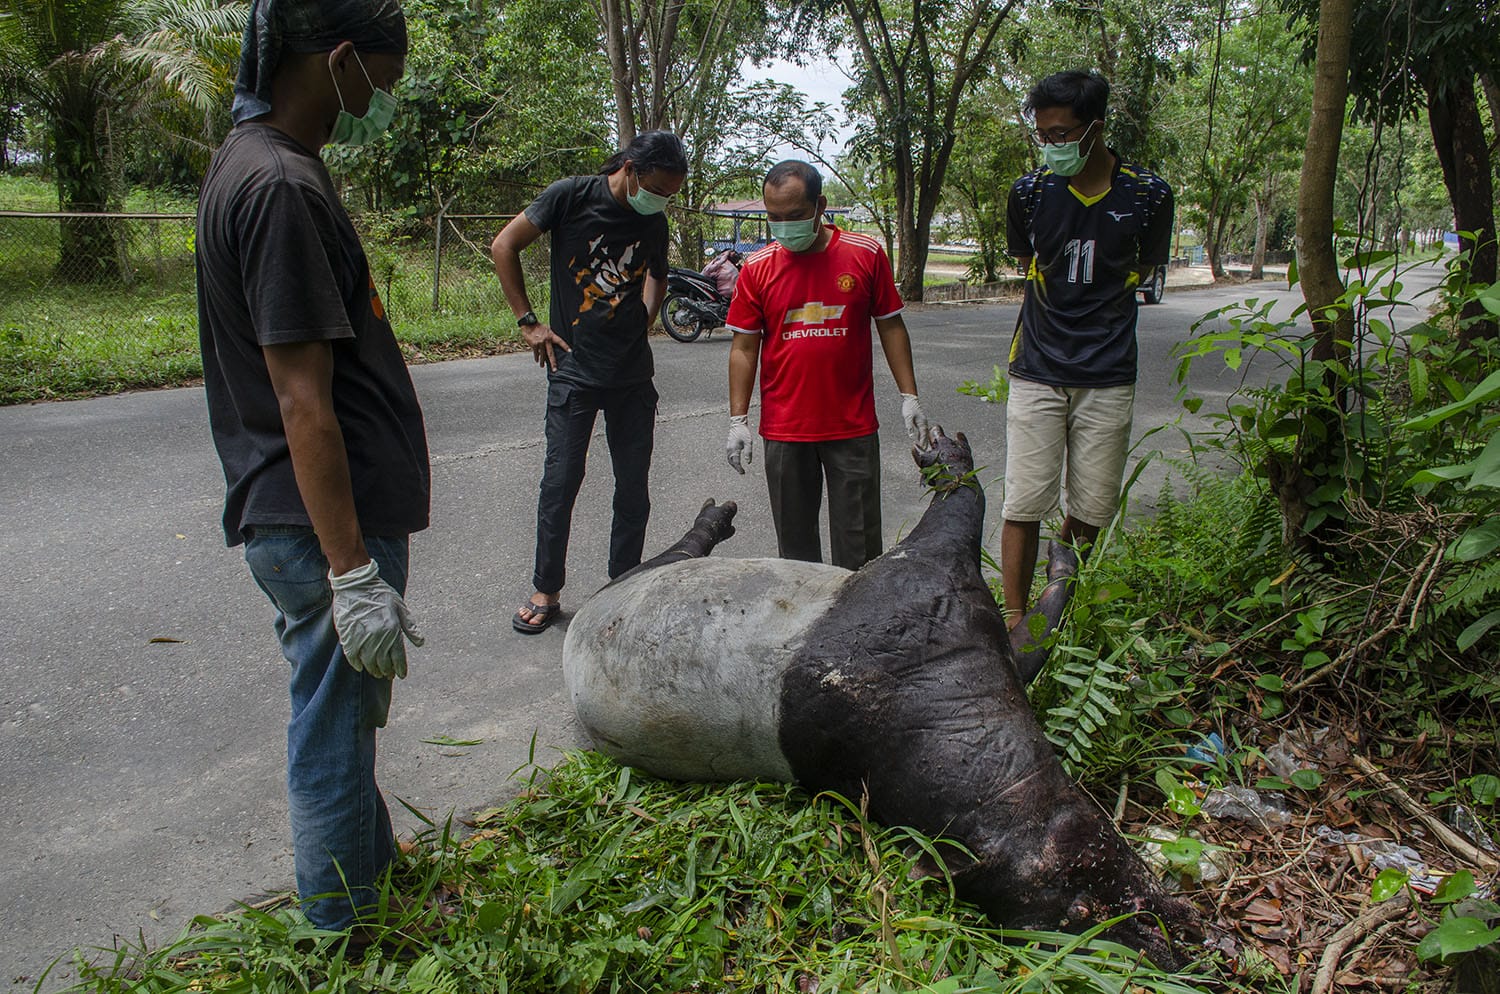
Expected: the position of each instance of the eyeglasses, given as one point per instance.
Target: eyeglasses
(1058, 136)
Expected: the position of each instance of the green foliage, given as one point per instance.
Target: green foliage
(1242, 121)
(597, 878)
(996, 391)
(1392, 465)
(90, 67)
(475, 130)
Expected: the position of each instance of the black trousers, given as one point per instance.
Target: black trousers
(795, 472)
(629, 430)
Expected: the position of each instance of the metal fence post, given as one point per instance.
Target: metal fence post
(437, 263)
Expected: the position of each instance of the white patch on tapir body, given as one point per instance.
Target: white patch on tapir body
(677, 670)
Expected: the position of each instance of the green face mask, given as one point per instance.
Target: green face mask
(797, 236)
(1066, 159)
(351, 130)
(644, 201)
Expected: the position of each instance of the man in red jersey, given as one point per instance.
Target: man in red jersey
(801, 312)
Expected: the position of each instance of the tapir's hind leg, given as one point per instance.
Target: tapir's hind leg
(715, 523)
(1031, 652)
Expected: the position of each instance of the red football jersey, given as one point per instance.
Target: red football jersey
(814, 312)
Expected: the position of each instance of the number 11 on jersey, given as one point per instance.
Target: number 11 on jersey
(1080, 255)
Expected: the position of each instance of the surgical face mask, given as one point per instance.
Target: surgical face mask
(797, 236)
(644, 201)
(1065, 158)
(351, 130)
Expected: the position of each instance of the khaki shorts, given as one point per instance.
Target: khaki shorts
(1085, 429)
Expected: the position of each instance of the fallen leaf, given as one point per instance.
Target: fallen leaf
(1261, 910)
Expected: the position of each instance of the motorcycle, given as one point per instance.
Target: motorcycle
(693, 306)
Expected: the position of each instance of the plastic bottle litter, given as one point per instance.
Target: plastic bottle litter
(1208, 750)
(1463, 819)
(1214, 863)
(1235, 803)
(1383, 854)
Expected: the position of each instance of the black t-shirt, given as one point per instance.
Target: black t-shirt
(1078, 319)
(279, 262)
(601, 252)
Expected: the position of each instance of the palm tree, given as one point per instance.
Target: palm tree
(90, 68)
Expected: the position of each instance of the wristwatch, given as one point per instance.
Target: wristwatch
(527, 320)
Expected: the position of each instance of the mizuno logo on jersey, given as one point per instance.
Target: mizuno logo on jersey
(814, 312)
(1119, 216)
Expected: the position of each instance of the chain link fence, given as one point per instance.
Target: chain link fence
(91, 303)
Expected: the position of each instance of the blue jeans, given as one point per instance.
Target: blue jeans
(341, 831)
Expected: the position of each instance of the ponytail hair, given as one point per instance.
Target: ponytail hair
(650, 151)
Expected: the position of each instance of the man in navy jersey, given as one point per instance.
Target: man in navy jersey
(1086, 228)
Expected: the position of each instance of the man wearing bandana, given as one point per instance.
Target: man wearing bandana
(314, 417)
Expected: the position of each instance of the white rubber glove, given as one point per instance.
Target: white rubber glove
(371, 619)
(741, 442)
(916, 421)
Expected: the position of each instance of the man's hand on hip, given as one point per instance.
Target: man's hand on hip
(371, 619)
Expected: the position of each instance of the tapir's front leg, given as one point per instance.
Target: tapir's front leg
(715, 523)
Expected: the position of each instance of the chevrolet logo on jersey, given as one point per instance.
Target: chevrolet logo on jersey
(814, 312)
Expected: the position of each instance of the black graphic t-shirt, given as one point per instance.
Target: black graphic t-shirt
(601, 252)
(279, 263)
(1078, 318)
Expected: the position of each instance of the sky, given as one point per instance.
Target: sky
(819, 80)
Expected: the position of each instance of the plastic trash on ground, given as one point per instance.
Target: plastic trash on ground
(1235, 803)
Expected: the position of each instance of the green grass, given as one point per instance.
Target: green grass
(60, 339)
(599, 879)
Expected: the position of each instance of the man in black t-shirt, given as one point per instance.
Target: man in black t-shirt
(314, 417)
(1086, 228)
(609, 268)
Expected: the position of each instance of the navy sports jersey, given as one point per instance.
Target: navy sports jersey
(1078, 318)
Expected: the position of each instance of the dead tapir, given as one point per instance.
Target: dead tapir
(897, 682)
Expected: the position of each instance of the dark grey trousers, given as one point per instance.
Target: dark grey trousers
(795, 472)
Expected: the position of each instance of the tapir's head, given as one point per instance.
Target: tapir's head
(951, 456)
(1085, 874)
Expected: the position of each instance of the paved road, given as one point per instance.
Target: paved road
(142, 696)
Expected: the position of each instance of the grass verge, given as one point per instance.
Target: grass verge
(597, 878)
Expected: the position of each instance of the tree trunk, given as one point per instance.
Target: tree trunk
(1458, 134)
(617, 32)
(1317, 264)
(1296, 476)
(1263, 202)
(921, 107)
(88, 246)
(1492, 97)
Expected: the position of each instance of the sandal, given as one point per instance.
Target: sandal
(542, 617)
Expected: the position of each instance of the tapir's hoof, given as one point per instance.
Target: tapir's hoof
(716, 520)
(1062, 561)
(952, 453)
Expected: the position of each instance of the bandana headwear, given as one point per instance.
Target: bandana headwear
(301, 26)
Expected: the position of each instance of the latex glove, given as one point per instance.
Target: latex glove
(741, 442)
(371, 619)
(916, 421)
